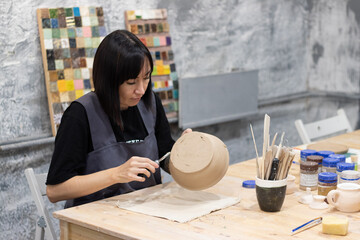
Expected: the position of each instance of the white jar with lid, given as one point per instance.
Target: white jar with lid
(351, 176)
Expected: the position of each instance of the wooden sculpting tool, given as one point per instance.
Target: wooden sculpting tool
(265, 143)
(257, 155)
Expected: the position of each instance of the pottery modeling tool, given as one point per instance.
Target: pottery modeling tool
(275, 162)
(163, 158)
(290, 160)
(307, 225)
(257, 155)
(285, 153)
(265, 143)
(268, 163)
(166, 155)
(274, 139)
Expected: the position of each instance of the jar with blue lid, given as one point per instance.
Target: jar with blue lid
(343, 166)
(351, 176)
(327, 181)
(324, 154)
(341, 157)
(329, 165)
(248, 184)
(306, 152)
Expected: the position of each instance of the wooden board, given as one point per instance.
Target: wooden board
(152, 28)
(69, 38)
(328, 146)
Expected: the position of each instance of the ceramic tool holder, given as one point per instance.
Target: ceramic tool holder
(270, 194)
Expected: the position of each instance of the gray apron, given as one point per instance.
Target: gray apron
(109, 153)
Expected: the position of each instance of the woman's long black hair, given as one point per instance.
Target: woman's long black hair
(119, 57)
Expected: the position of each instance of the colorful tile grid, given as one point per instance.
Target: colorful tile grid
(156, 41)
(162, 55)
(162, 27)
(152, 28)
(70, 37)
(146, 14)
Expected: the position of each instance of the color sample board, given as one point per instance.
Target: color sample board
(69, 38)
(152, 28)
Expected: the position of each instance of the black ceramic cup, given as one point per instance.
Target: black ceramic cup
(270, 194)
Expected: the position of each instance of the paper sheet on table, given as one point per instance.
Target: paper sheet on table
(178, 204)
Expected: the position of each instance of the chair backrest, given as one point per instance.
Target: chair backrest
(38, 190)
(322, 128)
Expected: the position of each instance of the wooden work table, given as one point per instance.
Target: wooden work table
(103, 220)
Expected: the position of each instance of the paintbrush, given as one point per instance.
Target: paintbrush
(307, 225)
(275, 162)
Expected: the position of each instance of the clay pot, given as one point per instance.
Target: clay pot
(346, 198)
(198, 160)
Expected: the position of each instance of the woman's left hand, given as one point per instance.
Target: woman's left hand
(188, 130)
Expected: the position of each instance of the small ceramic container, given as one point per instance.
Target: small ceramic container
(346, 198)
(290, 185)
(307, 197)
(318, 202)
(198, 160)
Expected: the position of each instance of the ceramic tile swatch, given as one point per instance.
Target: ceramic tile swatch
(69, 38)
(152, 28)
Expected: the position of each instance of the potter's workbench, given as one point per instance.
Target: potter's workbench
(103, 220)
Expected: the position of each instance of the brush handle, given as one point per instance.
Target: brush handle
(274, 169)
(166, 156)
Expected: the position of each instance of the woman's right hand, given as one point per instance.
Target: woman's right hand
(82, 185)
(129, 171)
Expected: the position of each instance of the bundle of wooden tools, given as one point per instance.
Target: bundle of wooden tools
(276, 159)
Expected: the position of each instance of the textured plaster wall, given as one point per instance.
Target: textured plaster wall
(334, 45)
(296, 45)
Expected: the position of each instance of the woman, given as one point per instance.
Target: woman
(108, 139)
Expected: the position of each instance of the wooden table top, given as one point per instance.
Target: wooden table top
(241, 221)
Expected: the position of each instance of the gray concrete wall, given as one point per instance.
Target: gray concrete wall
(297, 46)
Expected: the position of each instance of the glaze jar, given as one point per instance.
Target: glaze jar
(354, 159)
(306, 152)
(343, 166)
(308, 175)
(341, 157)
(327, 181)
(329, 165)
(324, 154)
(316, 158)
(351, 176)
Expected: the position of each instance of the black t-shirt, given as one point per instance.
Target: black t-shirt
(73, 139)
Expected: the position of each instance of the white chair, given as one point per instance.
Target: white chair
(44, 227)
(322, 128)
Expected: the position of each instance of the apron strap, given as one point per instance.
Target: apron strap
(148, 114)
(101, 131)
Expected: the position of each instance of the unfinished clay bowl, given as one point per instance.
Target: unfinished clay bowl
(198, 160)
